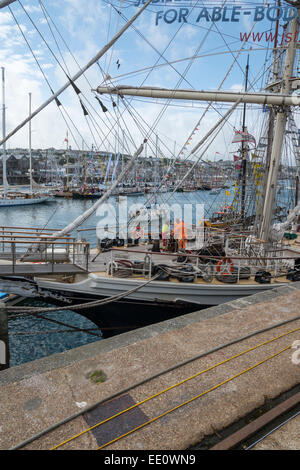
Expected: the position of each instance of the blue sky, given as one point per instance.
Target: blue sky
(86, 26)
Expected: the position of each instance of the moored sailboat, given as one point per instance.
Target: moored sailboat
(12, 199)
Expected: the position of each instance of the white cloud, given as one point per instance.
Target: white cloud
(85, 27)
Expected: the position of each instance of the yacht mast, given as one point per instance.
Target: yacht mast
(67, 164)
(279, 132)
(3, 134)
(30, 151)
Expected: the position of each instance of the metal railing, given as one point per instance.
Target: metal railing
(205, 267)
(23, 249)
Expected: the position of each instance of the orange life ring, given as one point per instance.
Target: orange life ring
(225, 267)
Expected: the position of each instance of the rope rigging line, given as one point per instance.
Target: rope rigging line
(77, 91)
(235, 60)
(186, 69)
(52, 90)
(77, 75)
(53, 35)
(169, 43)
(153, 195)
(58, 103)
(61, 54)
(108, 31)
(112, 49)
(95, 124)
(202, 56)
(161, 56)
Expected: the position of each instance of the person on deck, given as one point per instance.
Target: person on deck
(165, 233)
(179, 233)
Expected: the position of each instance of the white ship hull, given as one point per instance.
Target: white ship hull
(23, 202)
(157, 291)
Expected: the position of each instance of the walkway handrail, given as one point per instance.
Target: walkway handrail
(29, 228)
(45, 242)
(44, 237)
(188, 255)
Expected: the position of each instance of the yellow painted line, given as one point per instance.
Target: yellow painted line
(174, 386)
(192, 399)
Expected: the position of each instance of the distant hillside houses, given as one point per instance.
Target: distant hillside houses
(47, 164)
(52, 165)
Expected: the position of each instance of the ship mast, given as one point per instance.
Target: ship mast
(30, 150)
(244, 152)
(281, 115)
(271, 123)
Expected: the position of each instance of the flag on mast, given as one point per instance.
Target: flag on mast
(240, 136)
(236, 158)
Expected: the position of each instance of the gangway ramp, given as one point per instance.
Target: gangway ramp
(25, 253)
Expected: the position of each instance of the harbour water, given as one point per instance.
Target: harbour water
(33, 338)
(64, 210)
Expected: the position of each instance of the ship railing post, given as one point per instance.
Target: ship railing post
(150, 266)
(68, 250)
(4, 344)
(87, 256)
(239, 271)
(3, 244)
(13, 252)
(52, 256)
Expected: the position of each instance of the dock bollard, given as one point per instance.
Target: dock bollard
(4, 345)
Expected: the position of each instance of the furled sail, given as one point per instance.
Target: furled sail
(277, 230)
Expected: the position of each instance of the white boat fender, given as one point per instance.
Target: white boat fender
(147, 264)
